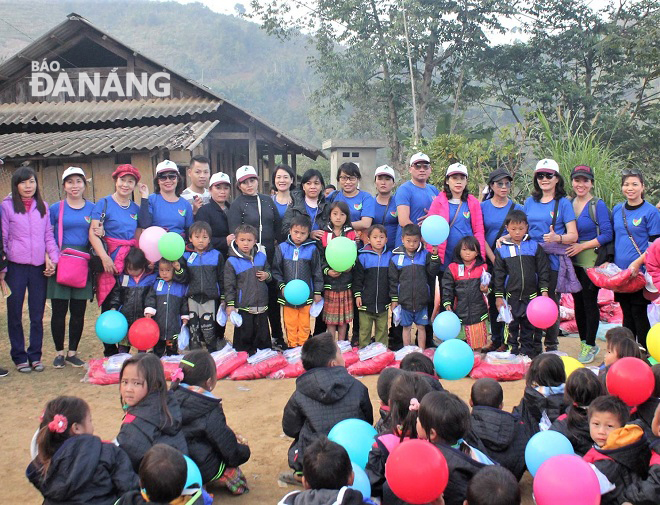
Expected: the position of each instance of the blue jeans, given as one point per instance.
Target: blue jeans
(19, 278)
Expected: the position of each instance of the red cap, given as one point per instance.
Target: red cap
(126, 170)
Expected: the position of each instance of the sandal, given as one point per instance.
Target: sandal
(24, 367)
(290, 478)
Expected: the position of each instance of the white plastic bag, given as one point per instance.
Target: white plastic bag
(653, 311)
(316, 308)
(183, 340)
(221, 316)
(236, 318)
(505, 316)
(114, 363)
(485, 278)
(396, 315)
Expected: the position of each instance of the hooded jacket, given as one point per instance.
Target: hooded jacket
(245, 210)
(461, 290)
(203, 272)
(217, 220)
(521, 272)
(136, 498)
(84, 471)
(130, 297)
(242, 288)
(167, 301)
(643, 417)
(343, 496)
(27, 237)
(646, 492)
(345, 280)
(461, 469)
(145, 425)
(578, 434)
(323, 397)
(297, 208)
(298, 262)
(500, 436)
(409, 284)
(211, 443)
(533, 404)
(383, 445)
(371, 279)
(625, 465)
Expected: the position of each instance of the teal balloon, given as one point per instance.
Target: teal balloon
(453, 360)
(193, 475)
(446, 325)
(361, 481)
(341, 254)
(435, 230)
(543, 446)
(171, 246)
(296, 292)
(356, 436)
(111, 327)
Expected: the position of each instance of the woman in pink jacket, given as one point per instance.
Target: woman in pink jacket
(32, 255)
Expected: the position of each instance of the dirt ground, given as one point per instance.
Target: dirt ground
(253, 408)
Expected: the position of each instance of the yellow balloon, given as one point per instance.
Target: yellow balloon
(570, 364)
(653, 341)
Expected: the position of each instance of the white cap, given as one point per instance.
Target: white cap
(419, 157)
(219, 177)
(245, 172)
(166, 166)
(73, 171)
(547, 165)
(456, 168)
(384, 170)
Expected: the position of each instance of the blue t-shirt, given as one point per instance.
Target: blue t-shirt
(75, 224)
(312, 212)
(586, 226)
(281, 207)
(360, 205)
(462, 227)
(173, 216)
(119, 223)
(539, 216)
(418, 199)
(643, 223)
(494, 219)
(389, 218)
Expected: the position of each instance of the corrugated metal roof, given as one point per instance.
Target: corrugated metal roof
(109, 140)
(92, 112)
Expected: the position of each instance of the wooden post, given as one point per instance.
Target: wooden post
(293, 162)
(271, 157)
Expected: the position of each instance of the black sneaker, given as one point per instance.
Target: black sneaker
(58, 362)
(75, 361)
(4, 372)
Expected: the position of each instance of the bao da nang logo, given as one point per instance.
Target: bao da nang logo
(44, 83)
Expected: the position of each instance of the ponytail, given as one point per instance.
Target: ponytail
(196, 368)
(406, 392)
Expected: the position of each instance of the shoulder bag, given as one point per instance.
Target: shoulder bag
(73, 267)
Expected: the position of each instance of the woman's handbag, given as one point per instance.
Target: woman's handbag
(73, 267)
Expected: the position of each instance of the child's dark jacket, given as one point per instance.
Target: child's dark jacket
(578, 434)
(409, 277)
(533, 404)
(145, 424)
(643, 417)
(210, 441)
(204, 274)
(170, 302)
(345, 280)
(647, 491)
(298, 262)
(343, 496)
(520, 272)
(371, 280)
(136, 498)
(461, 290)
(242, 288)
(84, 470)
(461, 469)
(129, 297)
(323, 397)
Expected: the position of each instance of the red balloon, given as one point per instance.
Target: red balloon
(416, 471)
(631, 380)
(566, 479)
(143, 333)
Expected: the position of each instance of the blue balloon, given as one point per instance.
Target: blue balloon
(361, 481)
(111, 327)
(453, 360)
(193, 475)
(356, 436)
(543, 446)
(296, 292)
(446, 325)
(435, 230)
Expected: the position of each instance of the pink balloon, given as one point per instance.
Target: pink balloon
(566, 479)
(149, 242)
(542, 312)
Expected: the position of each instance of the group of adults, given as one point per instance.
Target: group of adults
(580, 228)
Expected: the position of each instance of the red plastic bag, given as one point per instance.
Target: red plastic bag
(291, 371)
(96, 373)
(512, 372)
(605, 296)
(611, 313)
(231, 364)
(566, 300)
(619, 283)
(350, 357)
(394, 364)
(260, 370)
(569, 326)
(169, 369)
(373, 365)
(429, 352)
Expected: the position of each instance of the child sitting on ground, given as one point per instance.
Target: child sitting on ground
(246, 291)
(620, 450)
(647, 492)
(211, 443)
(167, 303)
(620, 343)
(497, 433)
(543, 400)
(410, 268)
(493, 485)
(163, 475)
(444, 420)
(73, 465)
(582, 387)
(152, 414)
(423, 365)
(383, 387)
(327, 474)
(325, 394)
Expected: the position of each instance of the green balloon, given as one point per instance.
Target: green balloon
(341, 254)
(171, 246)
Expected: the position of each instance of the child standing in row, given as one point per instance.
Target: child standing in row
(246, 274)
(298, 258)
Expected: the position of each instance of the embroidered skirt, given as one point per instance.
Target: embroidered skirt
(338, 307)
(476, 335)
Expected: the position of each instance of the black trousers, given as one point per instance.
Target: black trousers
(108, 349)
(520, 334)
(635, 318)
(496, 327)
(253, 334)
(552, 333)
(76, 322)
(587, 314)
(274, 316)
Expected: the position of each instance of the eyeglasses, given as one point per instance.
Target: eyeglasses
(632, 171)
(503, 184)
(346, 178)
(167, 177)
(421, 165)
(544, 175)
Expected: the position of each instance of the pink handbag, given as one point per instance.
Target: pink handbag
(73, 267)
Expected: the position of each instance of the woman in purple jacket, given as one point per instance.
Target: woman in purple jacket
(32, 255)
